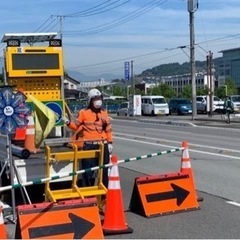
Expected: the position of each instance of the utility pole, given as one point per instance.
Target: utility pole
(192, 7)
(211, 83)
(208, 86)
(60, 17)
(61, 26)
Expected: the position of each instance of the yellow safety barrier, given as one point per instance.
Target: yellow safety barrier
(75, 156)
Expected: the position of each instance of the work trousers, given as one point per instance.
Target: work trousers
(88, 178)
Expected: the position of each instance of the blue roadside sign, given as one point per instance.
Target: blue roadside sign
(127, 70)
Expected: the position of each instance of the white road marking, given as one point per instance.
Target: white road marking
(177, 142)
(233, 203)
(170, 146)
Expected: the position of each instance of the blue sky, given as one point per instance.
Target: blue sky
(99, 35)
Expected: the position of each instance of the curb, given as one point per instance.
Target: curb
(167, 122)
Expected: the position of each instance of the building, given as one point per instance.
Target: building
(71, 88)
(178, 82)
(229, 66)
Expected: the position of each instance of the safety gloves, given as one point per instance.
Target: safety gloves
(65, 120)
(110, 148)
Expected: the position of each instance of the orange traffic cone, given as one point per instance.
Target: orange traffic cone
(30, 136)
(185, 161)
(114, 220)
(186, 165)
(3, 234)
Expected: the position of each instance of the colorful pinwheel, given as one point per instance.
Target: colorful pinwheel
(13, 110)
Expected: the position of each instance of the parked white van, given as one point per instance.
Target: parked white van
(154, 105)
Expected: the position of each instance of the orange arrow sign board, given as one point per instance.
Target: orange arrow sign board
(166, 193)
(77, 219)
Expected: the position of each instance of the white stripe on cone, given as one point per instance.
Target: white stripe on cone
(186, 164)
(30, 131)
(185, 153)
(1, 218)
(114, 184)
(30, 120)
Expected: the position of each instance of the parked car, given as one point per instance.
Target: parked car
(123, 109)
(180, 106)
(218, 104)
(236, 102)
(154, 105)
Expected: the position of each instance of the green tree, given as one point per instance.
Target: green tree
(187, 92)
(229, 88)
(117, 91)
(202, 91)
(164, 90)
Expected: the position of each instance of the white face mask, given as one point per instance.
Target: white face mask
(97, 104)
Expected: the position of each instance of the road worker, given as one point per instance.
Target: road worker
(93, 125)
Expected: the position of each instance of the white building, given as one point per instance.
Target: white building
(178, 82)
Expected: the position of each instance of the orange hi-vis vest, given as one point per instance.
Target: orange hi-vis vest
(92, 126)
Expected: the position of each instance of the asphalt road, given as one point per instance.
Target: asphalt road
(217, 180)
(209, 222)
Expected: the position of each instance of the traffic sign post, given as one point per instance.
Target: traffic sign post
(13, 114)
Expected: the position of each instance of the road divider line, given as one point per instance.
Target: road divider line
(192, 150)
(177, 142)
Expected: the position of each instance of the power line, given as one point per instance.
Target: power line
(99, 12)
(123, 59)
(42, 24)
(139, 12)
(89, 10)
(93, 10)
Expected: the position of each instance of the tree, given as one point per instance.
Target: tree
(164, 90)
(203, 91)
(229, 88)
(187, 92)
(117, 91)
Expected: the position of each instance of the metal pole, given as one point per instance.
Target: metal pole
(208, 86)
(211, 83)
(12, 178)
(192, 60)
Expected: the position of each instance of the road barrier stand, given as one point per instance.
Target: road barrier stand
(114, 218)
(72, 219)
(75, 156)
(156, 195)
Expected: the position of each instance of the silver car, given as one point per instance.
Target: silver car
(123, 109)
